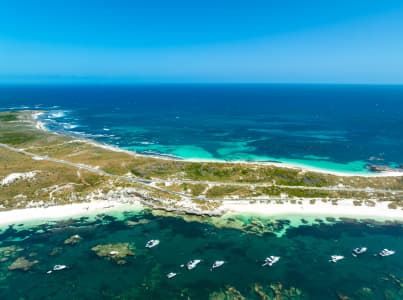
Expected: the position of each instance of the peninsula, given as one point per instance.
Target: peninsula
(48, 175)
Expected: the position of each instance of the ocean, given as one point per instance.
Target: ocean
(338, 128)
(303, 271)
(330, 127)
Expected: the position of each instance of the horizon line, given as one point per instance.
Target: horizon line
(138, 83)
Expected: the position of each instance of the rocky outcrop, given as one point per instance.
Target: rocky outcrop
(383, 168)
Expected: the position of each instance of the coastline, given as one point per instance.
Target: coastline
(61, 212)
(303, 168)
(344, 208)
(38, 124)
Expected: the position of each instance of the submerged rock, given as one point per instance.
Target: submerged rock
(116, 252)
(365, 293)
(258, 289)
(22, 263)
(230, 293)
(383, 168)
(342, 297)
(276, 291)
(396, 287)
(259, 227)
(140, 222)
(121, 262)
(74, 239)
(9, 252)
(55, 251)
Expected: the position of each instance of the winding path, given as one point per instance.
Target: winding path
(152, 183)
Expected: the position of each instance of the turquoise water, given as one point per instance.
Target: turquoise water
(238, 152)
(331, 127)
(339, 128)
(303, 265)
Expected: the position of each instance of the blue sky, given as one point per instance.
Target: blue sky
(201, 41)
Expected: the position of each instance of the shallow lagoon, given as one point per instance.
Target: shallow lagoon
(304, 252)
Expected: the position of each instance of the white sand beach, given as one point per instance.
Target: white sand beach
(344, 208)
(59, 212)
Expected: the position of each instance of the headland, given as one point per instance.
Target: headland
(48, 174)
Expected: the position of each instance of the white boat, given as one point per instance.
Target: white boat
(336, 258)
(386, 252)
(171, 275)
(271, 260)
(57, 268)
(359, 251)
(113, 253)
(152, 243)
(217, 264)
(193, 264)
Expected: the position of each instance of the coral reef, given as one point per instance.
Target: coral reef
(22, 263)
(274, 291)
(230, 293)
(9, 252)
(74, 239)
(115, 252)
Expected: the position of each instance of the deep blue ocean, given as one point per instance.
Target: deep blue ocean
(335, 127)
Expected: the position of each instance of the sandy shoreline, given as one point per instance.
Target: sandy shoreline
(41, 126)
(60, 212)
(344, 208)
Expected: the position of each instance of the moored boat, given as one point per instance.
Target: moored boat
(271, 260)
(193, 264)
(57, 268)
(171, 275)
(217, 264)
(152, 243)
(336, 258)
(358, 251)
(386, 252)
